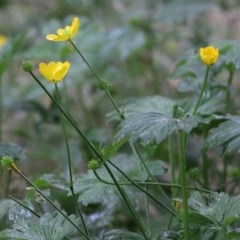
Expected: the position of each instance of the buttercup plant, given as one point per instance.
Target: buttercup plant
(185, 205)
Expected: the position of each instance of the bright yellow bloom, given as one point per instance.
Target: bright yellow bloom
(209, 55)
(64, 34)
(54, 71)
(3, 40)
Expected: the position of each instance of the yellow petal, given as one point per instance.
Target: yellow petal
(209, 55)
(44, 70)
(54, 71)
(75, 26)
(66, 33)
(3, 40)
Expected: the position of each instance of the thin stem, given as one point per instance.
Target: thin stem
(1, 108)
(202, 90)
(24, 206)
(137, 152)
(182, 163)
(69, 162)
(95, 151)
(98, 78)
(172, 172)
(225, 157)
(139, 183)
(205, 167)
(8, 181)
(50, 202)
(147, 211)
(127, 201)
(121, 115)
(228, 92)
(142, 189)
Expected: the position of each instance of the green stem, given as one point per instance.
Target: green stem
(58, 98)
(182, 163)
(95, 151)
(139, 183)
(24, 206)
(202, 90)
(143, 190)
(8, 181)
(51, 203)
(225, 157)
(127, 201)
(172, 172)
(1, 108)
(137, 152)
(98, 78)
(228, 92)
(205, 167)
(121, 115)
(147, 211)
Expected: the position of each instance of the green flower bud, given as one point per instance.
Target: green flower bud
(93, 164)
(27, 65)
(7, 162)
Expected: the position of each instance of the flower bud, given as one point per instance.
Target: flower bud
(209, 55)
(27, 65)
(93, 164)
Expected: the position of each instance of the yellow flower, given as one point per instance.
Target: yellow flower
(64, 34)
(3, 40)
(209, 55)
(54, 71)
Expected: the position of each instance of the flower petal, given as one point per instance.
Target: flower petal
(44, 70)
(54, 71)
(66, 33)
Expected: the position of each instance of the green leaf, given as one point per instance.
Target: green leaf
(5, 206)
(91, 190)
(49, 226)
(113, 147)
(227, 133)
(230, 53)
(157, 167)
(211, 106)
(155, 127)
(120, 234)
(148, 104)
(218, 207)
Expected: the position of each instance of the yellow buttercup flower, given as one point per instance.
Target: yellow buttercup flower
(3, 40)
(64, 34)
(54, 71)
(209, 55)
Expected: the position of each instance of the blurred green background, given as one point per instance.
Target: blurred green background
(132, 44)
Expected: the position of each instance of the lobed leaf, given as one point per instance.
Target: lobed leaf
(49, 226)
(227, 133)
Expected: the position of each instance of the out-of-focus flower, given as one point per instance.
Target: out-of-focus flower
(54, 71)
(209, 55)
(3, 40)
(8, 163)
(27, 65)
(64, 34)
